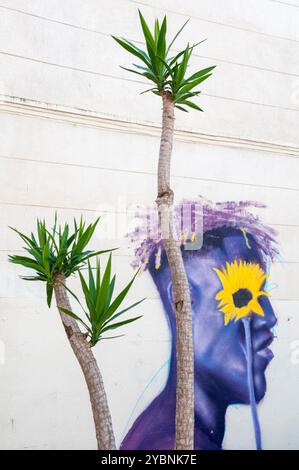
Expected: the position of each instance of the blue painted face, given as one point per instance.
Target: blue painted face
(219, 350)
(220, 360)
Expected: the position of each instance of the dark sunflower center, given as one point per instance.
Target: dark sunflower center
(242, 298)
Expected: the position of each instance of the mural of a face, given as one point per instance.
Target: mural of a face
(219, 350)
(220, 361)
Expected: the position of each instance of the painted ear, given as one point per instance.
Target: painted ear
(192, 293)
(169, 293)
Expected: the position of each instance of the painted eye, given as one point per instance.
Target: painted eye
(241, 289)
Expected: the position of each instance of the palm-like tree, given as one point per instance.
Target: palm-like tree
(168, 73)
(55, 255)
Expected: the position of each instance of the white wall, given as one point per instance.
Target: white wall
(77, 137)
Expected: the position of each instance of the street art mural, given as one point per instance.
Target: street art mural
(227, 269)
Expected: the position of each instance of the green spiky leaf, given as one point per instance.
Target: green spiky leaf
(191, 105)
(167, 72)
(56, 251)
(102, 309)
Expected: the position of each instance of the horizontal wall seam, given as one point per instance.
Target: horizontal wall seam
(285, 3)
(89, 118)
(131, 255)
(140, 42)
(82, 209)
(151, 298)
(205, 20)
(239, 28)
(140, 82)
(146, 173)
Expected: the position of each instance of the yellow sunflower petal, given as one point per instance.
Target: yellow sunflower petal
(220, 294)
(261, 292)
(256, 308)
(222, 277)
(242, 312)
(229, 308)
(260, 281)
(236, 276)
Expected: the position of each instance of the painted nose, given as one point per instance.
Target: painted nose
(269, 319)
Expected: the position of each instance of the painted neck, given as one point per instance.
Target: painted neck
(209, 412)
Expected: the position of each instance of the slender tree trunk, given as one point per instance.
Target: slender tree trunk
(89, 366)
(181, 295)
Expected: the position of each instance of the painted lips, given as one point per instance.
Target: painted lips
(263, 348)
(266, 353)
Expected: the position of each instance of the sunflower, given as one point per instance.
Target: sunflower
(241, 284)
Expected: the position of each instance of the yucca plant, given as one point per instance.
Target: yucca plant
(101, 311)
(54, 255)
(55, 251)
(177, 89)
(165, 70)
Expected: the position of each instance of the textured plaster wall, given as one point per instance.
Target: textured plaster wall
(77, 138)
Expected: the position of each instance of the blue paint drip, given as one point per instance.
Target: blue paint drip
(255, 419)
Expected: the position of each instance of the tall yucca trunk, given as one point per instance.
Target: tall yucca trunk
(184, 439)
(90, 369)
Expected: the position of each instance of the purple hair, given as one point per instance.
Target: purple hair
(205, 216)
